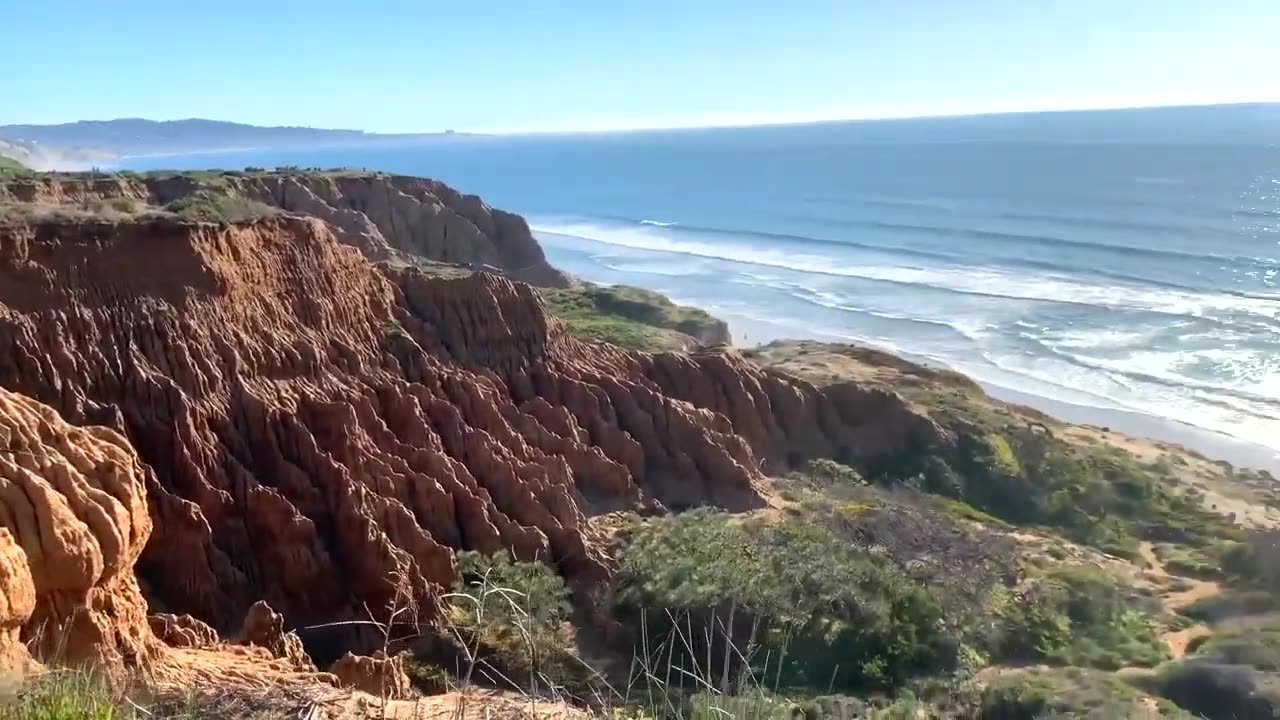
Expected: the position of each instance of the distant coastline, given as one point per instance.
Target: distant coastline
(85, 144)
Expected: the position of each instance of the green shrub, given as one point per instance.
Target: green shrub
(1257, 647)
(1021, 473)
(1078, 616)
(1067, 693)
(1219, 691)
(965, 511)
(510, 618)
(791, 602)
(1232, 603)
(832, 474)
(1253, 562)
(1189, 561)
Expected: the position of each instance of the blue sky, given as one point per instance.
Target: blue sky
(604, 64)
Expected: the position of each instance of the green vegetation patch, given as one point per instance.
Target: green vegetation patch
(1017, 465)
(631, 317)
(1078, 615)
(1231, 603)
(792, 603)
(1023, 474)
(11, 169)
(1068, 693)
(63, 695)
(79, 694)
(1257, 646)
(1197, 562)
(509, 619)
(210, 206)
(1217, 690)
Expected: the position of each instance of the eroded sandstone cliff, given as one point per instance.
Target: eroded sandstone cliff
(73, 521)
(320, 427)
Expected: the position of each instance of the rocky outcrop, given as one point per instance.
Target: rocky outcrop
(386, 216)
(378, 675)
(73, 521)
(324, 433)
(421, 217)
(17, 603)
(264, 628)
(182, 631)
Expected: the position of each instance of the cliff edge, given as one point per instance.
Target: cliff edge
(388, 217)
(318, 424)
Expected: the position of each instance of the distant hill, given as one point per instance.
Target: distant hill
(135, 136)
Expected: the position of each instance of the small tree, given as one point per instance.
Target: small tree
(510, 611)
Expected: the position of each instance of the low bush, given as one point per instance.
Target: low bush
(1189, 561)
(1231, 604)
(1254, 561)
(509, 620)
(1068, 693)
(1219, 691)
(1078, 616)
(830, 474)
(1257, 646)
(73, 694)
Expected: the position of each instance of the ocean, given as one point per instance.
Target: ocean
(1118, 261)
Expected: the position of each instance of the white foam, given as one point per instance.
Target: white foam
(1113, 368)
(1226, 414)
(657, 223)
(1093, 338)
(979, 281)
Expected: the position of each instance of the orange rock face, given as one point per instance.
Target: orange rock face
(264, 628)
(324, 433)
(385, 216)
(378, 675)
(182, 631)
(73, 521)
(17, 603)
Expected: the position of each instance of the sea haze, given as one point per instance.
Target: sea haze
(1125, 260)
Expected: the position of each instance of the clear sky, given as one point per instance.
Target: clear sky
(420, 65)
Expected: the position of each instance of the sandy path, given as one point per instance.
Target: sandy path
(1179, 640)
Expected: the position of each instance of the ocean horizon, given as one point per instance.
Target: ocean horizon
(1121, 262)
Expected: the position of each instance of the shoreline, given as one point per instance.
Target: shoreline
(1215, 446)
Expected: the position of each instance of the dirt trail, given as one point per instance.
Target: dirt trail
(1179, 640)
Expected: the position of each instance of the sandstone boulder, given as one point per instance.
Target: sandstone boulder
(377, 675)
